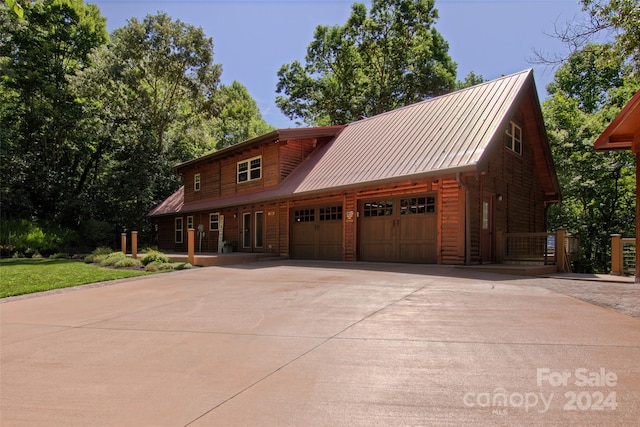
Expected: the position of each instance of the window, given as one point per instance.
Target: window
(378, 209)
(250, 170)
(189, 223)
(513, 140)
(332, 213)
(418, 205)
(196, 182)
(178, 230)
(214, 221)
(305, 215)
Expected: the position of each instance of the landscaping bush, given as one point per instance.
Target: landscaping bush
(127, 262)
(154, 256)
(59, 255)
(112, 259)
(152, 267)
(98, 255)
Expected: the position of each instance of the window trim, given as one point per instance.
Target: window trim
(197, 182)
(178, 230)
(511, 138)
(190, 223)
(248, 170)
(217, 221)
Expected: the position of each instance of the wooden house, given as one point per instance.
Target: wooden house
(623, 133)
(431, 182)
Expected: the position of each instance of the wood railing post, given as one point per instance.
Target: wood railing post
(617, 263)
(134, 244)
(499, 247)
(191, 245)
(123, 242)
(560, 252)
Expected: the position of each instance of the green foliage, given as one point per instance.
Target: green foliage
(98, 255)
(59, 255)
(30, 237)
(471, 79)
(588, 90)
(154, 257)
(240, 118)
(40, 109)
(113, 258)
(96, 233)
(127, 262)
(375, 62)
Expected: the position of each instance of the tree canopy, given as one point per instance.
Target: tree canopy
(376, 62)
(91, 125)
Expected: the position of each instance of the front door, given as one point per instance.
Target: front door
(246, 231)
(487, 235)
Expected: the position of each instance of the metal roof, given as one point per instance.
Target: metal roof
(446, 134)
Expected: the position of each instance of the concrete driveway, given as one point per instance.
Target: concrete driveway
(314, 343)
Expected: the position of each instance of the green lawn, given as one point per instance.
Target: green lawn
(24, 276)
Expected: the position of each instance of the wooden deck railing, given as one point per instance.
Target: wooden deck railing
(623, 255)
(538, 248)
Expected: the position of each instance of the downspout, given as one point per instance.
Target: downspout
(467, 220)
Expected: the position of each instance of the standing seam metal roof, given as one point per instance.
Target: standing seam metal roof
(447, 133)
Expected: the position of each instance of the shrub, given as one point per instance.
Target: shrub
(36, 255)
(113, 258)
(127, 262)
(183, 266)
(152, 267)
(154, 256)
(98, 255)
(59, 255)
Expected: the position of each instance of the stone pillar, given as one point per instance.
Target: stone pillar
(617, 263)
(134, 244)
(123, 243)
(191, 245)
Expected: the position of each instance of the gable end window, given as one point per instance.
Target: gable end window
(250, 170)
(513, 138)
(196, 182)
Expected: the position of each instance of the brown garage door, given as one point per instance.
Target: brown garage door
(316, 233)
(398, 229)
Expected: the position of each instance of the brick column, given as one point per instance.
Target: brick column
(191, 245)
(134, 244)
(123, 243)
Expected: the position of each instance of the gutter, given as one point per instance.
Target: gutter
(467, 220)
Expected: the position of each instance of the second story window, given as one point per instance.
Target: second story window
(513, 139)
(249, 170)
(196, 182)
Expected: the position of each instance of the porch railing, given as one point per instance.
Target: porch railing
(538, 248)
(623, 255)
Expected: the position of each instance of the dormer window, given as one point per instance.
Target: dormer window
(196, 182)
(250, 170)
(513, 138)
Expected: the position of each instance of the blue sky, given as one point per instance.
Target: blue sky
(253, 38)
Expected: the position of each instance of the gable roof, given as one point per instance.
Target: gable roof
(620, 133)
(443, 135)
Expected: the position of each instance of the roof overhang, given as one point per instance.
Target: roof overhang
(623, 133)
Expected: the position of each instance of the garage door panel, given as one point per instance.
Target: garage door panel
(402, 229)
(316, 233)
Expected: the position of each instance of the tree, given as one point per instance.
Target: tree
(375, 62)
(240, 118)
(471, 79)
(40, 152)
(152, 88)
(587, 92)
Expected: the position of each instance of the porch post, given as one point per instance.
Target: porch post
(191, 245)
(616, 254)
(134, 244)
(560, 252)
(123, 242)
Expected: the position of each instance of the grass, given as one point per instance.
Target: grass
(25, 276)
